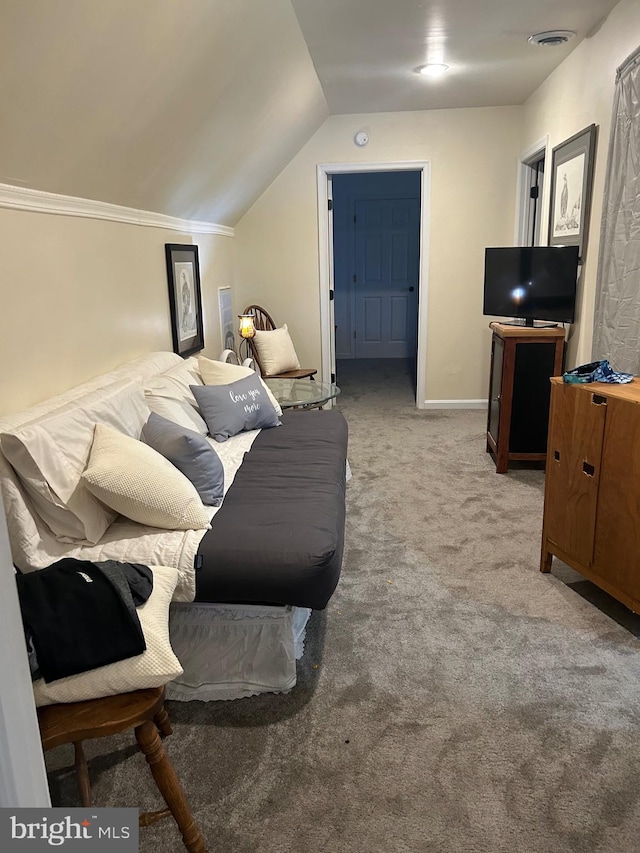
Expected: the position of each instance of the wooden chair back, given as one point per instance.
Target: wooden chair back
(261, 318)
(264, 322)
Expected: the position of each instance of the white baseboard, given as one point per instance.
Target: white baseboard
(455, 404)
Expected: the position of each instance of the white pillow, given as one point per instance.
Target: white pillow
(46, 504)
(169, 395)
(178, 411)
(49, 454)
(221, 373)
(153, 668)
(136, 481)
(276, 351)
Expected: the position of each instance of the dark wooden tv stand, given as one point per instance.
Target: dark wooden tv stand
(522, 361)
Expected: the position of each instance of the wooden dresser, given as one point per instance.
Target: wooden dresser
(592, 488)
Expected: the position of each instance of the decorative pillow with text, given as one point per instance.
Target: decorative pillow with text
(222, 373)
(239, 406)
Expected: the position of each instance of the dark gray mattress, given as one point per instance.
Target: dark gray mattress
(278, 537)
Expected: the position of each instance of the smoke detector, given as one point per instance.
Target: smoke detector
(551, 38)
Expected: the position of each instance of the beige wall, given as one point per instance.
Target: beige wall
(81, 296)
(157, 105)
(473, 157)
(579, 93)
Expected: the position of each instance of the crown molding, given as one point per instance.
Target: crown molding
(38, 201)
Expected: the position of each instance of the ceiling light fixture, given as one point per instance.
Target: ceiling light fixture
(433, 69)
(551, 38)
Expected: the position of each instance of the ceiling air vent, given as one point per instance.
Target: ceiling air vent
(552, 38)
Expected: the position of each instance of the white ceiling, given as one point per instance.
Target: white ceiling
(192, 107)
(364, 51)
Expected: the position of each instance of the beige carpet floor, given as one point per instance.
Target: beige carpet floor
(451, 697)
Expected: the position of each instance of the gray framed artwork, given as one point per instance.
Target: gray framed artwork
(571, 183)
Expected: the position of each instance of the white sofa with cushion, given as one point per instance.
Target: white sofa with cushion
(54, 510)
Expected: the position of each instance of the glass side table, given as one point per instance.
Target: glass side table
(302, 393)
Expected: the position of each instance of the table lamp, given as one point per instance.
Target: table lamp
(246, 330)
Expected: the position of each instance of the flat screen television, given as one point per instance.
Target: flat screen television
(531, 283)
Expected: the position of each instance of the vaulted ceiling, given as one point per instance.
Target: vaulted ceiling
(192, 107)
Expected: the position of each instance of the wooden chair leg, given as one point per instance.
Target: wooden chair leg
(169, 786)
(147, 818)
(163, 723)
(82, 773)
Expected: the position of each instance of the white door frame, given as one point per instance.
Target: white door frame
(23, 777)
(325, 247)
(533, 152)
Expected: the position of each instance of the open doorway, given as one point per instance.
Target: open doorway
(373, 251)
(529, 229)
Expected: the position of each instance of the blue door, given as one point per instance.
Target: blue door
(386, 279)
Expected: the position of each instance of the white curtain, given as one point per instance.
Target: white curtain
(616, 334)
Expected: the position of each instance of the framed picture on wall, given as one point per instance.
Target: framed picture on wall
(185, 298)
(227, 326)
(571, 184)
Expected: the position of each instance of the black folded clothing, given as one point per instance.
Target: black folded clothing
(80, 615)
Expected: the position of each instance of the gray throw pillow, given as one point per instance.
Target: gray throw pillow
(230, 409)
(191, 453)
